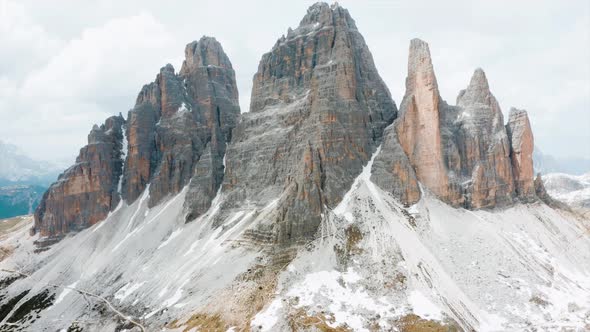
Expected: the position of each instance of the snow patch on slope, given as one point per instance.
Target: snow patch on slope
(528, 265)
(571, 189)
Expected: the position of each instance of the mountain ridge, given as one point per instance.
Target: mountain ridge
(324, 207)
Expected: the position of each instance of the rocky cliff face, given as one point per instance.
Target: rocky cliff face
(463, 154)
(521, 153)
(317, 113)
(176, 132)
(483, 146)
(287, 216)
(177, 120)
(419, 127)
(86, 192)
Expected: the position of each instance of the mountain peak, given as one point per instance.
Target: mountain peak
(478, 90)
(321, 14)
(167, 68)
(521, 152)
(207, 51)
(479, 79)
(420, 69)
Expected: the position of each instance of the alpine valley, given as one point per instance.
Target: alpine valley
(324, 207)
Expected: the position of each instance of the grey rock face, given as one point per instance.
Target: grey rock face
(318, 111)
(462, 153)
(392, 170)
(211, 84)
(177, 132)
(421, 128)
(482, 145)
(177, 120)
(542, 194)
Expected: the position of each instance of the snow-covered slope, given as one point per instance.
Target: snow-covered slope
(373, 264)
(571, 189)
(376, 262)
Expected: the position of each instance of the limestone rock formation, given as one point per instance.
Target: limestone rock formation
(178, 119)
(392, 170)
(521, 153)
(419, 126)
(86, 192)
(463, 154)
(177, 132)
(483, 146)
(318, 111)
(542, 194)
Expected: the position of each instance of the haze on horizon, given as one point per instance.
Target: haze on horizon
(65, 66)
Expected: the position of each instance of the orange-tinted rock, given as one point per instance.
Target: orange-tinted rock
(176, 132)
(418, 128)
(86, 192)
(521, 153)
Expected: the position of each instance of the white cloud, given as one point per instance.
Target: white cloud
(103, 61)
(91, 77)
(25, 44)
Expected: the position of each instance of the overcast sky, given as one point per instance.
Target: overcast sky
(66, 64)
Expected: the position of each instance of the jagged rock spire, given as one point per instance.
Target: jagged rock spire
(461, 153)
(521, 152)
(478, 90)
(318, 111)
(418, 128)
(177, 131)
(482, 145)
(85, 193)
(421, 77)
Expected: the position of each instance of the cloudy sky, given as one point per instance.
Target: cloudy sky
(66, 64)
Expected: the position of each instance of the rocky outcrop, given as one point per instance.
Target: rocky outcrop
(318, 111)
(392, 170)
(542, 194)
(179, 119)
(521, 153)
(211, 83)
(419, 126)
(175, 135)
(86, 192)
(483, 146)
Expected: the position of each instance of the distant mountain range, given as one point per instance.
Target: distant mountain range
(23, 180)
(19, 200)
(546, 164)
(18, 168)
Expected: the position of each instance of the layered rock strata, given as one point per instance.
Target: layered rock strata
(463, 154)
(521, 153)
(176, 134)
(178, 119)
(318, 111)
(419, 127)
(482, 145)
(87, 191)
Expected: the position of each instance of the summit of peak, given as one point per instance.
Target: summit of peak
(321, 13)
(479, 79)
